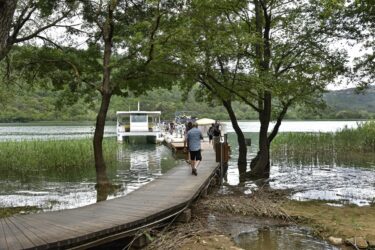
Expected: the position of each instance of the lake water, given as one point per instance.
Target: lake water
(136, 166)
(339, 183)
(297, 126)
(141, 164)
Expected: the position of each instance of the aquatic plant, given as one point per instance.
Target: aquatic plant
(344, 147)
(360, 139)
(61, 158)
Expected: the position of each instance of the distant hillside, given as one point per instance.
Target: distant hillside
(350, 100)
(24, 104)
(347, 101)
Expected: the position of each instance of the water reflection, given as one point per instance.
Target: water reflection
(280, 238)
(341, 181)
(135, 166)
(264, 233)
(18, 132)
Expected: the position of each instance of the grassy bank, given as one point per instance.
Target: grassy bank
(347, 146)
(60, 158)
(343, 222)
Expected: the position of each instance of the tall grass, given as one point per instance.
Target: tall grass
(60, 158)
(349, 145)
(361, 139)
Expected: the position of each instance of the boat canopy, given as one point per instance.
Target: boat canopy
(128, 113)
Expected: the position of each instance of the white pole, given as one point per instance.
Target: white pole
(221, 163)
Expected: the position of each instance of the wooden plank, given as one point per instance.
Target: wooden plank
(134, 211)
(56, 236)
(11, 240)
(47, 232)
(29, 233)
(3, 242)
(71, 227)
(21, 237)
(123, 208)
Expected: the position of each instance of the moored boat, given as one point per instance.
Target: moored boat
(139, 125)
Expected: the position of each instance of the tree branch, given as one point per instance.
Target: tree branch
(36, 33)
(280, 117)
(152, 36)
(231, 90)
(50, 41)
(21, 21)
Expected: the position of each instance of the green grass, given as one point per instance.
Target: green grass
(59, 158)
(9, 211)
(347, 146)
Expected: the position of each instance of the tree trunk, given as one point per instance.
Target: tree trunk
(242, 154)
(7, 8)
(260, 165)
(106, 92)
(100, 166)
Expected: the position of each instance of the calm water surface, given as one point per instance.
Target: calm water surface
(257, 233)
(140, 164)
(136, 166)
(340, 183)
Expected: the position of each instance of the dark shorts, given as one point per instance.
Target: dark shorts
(210, 137)
(195, 155)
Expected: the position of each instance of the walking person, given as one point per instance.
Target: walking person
(189, 126)
(193, 140)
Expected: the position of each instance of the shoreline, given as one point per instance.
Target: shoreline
(337, 226)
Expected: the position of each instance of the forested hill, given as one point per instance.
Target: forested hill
(36, 104)
(347, 103)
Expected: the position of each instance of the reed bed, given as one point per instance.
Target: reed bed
(346, 146)
(70, 158)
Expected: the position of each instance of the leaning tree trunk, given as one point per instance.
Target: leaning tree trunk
(260, 165)
(106, 91)
(242, 160)
(7, 8)
(100, 166)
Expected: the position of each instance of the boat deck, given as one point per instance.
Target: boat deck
(108, 220)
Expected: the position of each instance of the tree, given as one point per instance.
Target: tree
(7, 8)
(125, 33)
(290, 71)
(269, 54)
(201, 47)
(121, 45)
(360, 16)
(26, 20)
(353, 23)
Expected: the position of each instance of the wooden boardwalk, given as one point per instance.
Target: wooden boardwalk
(109, 220)
(176, 146)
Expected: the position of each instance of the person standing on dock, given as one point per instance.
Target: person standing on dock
(216, 134)
(193, 140)
(210, 133)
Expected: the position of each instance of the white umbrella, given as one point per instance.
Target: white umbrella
(205, 121)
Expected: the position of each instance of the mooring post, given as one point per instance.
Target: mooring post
(222, 143)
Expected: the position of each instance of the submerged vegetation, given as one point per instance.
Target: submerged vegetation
(342, 147)
(68, 159)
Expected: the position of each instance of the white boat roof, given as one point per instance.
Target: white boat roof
(128, 113)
